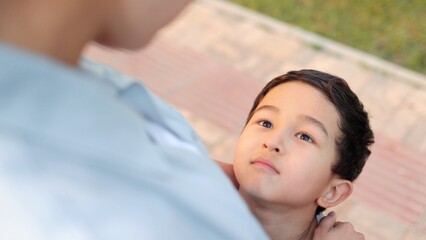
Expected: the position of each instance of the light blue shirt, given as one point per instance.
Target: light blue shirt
(77, 161)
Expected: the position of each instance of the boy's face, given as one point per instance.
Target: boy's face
(285, 153)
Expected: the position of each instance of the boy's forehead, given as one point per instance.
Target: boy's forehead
(303, 101)
(299, 96)
(297, 92)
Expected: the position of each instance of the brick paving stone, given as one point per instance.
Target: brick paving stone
(304, 56)
(248, 64)
(265, 70)
(204, 31)
(287, 66)
(277, 47)
(417, 101)
(416, 135)
(323, 61)
(246, 36)
(421, 224)
(414, 235)
(400, 122)
(376, 225)
(229, 99)
(209, 133)
(393, 93)
(156, 64)
(226, 51)
(385, 93)
(394, 180)
(422, 147)
(355, 74)
(224, 151)
(219, 143)
(377, 115)
(382, 97)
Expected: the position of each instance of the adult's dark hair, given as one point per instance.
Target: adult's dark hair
(356, 134)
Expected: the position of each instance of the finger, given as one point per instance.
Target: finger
(328, 222)
(348, 229)
(346, 225)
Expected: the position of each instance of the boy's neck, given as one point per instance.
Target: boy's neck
(288, 229)
(281, 222)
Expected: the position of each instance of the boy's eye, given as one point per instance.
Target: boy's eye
(305, 137)
(265, 124)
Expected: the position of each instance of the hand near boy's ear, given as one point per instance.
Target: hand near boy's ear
(329, 229)
(228, 169)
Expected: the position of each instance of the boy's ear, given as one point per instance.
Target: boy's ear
(337, 192)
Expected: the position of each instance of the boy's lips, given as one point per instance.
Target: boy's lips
(266, 164)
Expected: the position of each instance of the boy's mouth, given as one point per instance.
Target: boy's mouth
(265, 164)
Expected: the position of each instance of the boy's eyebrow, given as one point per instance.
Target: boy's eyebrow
(314, 121)
(268, 107)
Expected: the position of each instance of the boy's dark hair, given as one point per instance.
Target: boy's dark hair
(356, 134)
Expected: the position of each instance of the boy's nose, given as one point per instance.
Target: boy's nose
(274, 143)
(276, 149)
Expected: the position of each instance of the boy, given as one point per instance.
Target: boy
(305, 140)
(82, 157)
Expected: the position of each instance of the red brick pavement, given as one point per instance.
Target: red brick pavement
(392, 181)
(189, 80)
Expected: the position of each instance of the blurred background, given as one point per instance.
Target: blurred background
(391, 29)
(213, 60)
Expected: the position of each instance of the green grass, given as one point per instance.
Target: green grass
(394, 30)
